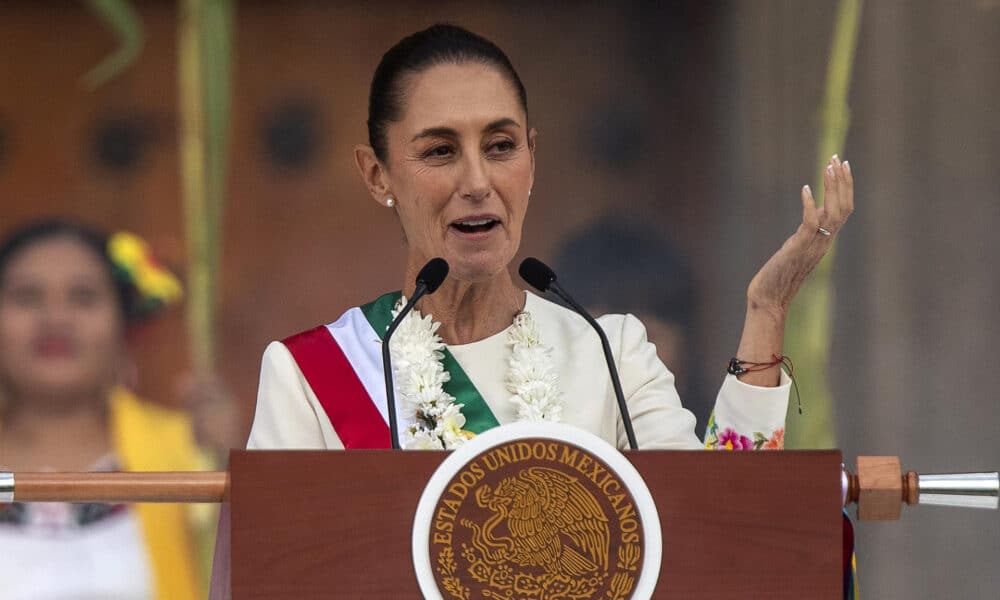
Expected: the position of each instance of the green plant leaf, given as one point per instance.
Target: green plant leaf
(124, 21)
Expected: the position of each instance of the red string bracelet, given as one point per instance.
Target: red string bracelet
(739, 367)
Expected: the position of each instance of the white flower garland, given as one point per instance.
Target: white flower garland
(417, 352)
(531, 376)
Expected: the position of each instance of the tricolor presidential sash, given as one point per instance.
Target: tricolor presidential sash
(342, 362)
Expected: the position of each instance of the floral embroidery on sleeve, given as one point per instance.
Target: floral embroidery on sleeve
(730, 439)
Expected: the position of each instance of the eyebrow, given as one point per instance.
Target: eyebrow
(449, 132)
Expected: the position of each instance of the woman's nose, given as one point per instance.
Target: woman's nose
(475, 183)
(56, 312)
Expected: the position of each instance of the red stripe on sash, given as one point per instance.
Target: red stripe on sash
(332, 378)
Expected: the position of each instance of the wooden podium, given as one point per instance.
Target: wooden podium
(304, 524)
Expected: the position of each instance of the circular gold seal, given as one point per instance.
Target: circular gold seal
(536, 517)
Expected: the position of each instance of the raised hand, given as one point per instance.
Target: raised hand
(775, 285)
(215, 415)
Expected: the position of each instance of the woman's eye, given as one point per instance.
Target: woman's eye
(502, 146)
(84, 297)
(24, 297)
(439, 152)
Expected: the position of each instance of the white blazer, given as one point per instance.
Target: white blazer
(290, 416)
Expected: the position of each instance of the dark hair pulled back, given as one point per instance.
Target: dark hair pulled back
(436, 45)
(93, 240)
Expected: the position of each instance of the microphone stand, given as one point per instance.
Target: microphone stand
(542, 278)
(608, 357)
(390, 390)
(429, 279)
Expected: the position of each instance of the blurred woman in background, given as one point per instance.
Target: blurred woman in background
(68, 295)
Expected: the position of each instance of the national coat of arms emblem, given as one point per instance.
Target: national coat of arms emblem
(536, 519)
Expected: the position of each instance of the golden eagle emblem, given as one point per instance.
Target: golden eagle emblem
(536, 519)
(552, 521)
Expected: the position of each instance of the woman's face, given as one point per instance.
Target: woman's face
(61, 328)
(460, 167)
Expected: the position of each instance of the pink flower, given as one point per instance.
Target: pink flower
(730, 439)
(776, 441)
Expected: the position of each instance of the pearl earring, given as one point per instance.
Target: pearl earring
(390, 202)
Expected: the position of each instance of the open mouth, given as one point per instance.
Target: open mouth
(480, 225)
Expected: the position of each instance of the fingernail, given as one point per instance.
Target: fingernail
(808, 189)
(835, 159)
(847, 166)
(829, 169)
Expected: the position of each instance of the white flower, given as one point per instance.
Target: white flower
(417, 352)
(416, 355)
(531, 376)
(451, 418)
(453, 438)
(422, 439)
(523, 332)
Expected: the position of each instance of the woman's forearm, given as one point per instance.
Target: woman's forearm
(773, 287)
(762, 340)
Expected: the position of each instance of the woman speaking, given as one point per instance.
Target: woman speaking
(451, 150)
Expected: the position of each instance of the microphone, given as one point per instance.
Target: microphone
(429, 279)
(542, 278)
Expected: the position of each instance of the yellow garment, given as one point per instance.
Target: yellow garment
(147, 437)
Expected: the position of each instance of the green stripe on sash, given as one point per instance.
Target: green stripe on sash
(379, 312)
(478, 416)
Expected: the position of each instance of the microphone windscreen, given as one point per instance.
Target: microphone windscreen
(536, 273)
(433, 274)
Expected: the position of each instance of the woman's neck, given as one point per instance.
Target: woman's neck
(41, 433)
(469, 312)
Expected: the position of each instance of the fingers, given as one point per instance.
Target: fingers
(838, 185)
(848, 185)
(810, 213)
(831, 193)
(809, 240)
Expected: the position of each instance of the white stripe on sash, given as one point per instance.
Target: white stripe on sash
(363, 349)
